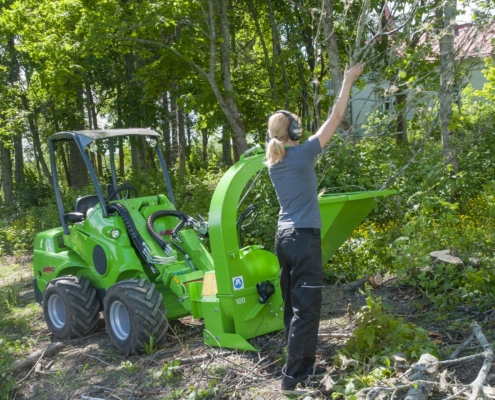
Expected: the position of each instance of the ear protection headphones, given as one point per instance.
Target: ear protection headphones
(295, 129)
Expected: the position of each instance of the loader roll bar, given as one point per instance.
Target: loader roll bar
(83, 139)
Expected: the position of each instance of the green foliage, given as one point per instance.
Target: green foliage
(18, 228)
(433, 223)
(33, 192)
(262, 194)
(10, 296)
(7, 381)
(128, 366)
(348, 386)
(192, 392)
(169, 371)
(378, 336)
(150, 348)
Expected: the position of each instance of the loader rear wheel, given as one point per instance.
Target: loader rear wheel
(134, 311)
(71, 307)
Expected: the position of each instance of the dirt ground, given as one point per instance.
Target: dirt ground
(186, 368)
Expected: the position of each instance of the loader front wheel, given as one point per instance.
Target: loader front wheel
(134, 315)
(71, 307)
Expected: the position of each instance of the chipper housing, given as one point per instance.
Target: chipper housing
(143, 262)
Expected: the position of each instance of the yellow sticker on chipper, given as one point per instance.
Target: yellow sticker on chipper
(209, 285)
(176, 280)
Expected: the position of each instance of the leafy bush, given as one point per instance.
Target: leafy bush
(7, 381)
(18, 228)
(379, 336)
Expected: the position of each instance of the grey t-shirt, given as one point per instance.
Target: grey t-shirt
(294, 179)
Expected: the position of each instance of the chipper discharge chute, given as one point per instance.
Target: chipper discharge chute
(142, 262)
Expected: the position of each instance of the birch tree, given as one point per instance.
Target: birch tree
(447, 14)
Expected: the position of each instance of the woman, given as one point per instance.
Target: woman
(297, 241)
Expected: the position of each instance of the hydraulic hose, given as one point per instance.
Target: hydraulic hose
(136, 239)
(163, 244)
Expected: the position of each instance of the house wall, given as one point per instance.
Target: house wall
(475, 77)
(366, 101)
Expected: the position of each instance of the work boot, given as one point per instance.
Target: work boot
(317, 372)
(309, 387)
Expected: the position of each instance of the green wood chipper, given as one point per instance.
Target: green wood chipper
(142, 262)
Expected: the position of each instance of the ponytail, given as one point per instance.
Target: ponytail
(275, 152)
(278, 130)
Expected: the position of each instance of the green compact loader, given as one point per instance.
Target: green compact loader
(142, 262)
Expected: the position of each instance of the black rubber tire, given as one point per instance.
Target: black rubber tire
(144, 312)
(71, 307)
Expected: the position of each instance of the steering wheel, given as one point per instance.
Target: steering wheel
(127, 188)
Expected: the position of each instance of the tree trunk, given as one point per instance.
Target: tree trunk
(138, 153)
(174, 133)
(401, 106)
(204, 134)
(78, 171)
(88, 103)
(230, 104)
(93, 123)
(8, 194)
(133, 114)
(182, 144)
(447, 81)
(121, 157)
(13, 78)
(61, 150)
(33, 127)
(226, 149)
(334, 60)
(166, 130)
(18, 160)
(233, 43)
(269, 66)
(276, 59)
(120, 122)
(150, 160)
(304, 101)
(188, 134)
(225, 94)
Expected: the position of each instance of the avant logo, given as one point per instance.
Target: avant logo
(49, 270)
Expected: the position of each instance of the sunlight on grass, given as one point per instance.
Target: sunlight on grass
(20, 315)
(8, 270)
(22, 320)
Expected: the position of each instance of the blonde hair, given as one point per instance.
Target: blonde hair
(278, 130)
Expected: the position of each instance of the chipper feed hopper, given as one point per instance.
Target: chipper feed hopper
(142, 262)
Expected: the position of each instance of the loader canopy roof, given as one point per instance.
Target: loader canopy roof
(88, 136)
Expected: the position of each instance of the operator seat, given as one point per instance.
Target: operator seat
(85, 203)
(83, 206)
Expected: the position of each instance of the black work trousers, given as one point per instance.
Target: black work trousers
(301, 281)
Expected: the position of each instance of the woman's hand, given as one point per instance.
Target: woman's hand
(353, 73)
(327, 130)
